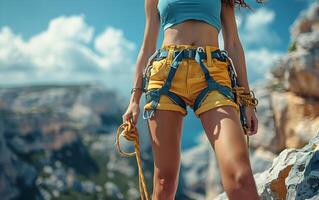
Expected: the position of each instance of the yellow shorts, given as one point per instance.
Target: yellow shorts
(189, 81)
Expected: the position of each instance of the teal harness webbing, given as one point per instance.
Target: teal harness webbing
(212, 84)
(153, 95)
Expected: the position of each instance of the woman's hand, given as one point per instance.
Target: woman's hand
(132, 112)
(252, 120)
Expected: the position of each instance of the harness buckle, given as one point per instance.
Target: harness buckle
(221, 56)
(152, 94)
(155, 54)
(225, 53)
(189, 53)
(174, 63)
(175, 53)
(147, 69)
(148, 113)
(200, 49)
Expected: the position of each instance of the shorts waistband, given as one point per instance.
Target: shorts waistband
(188, 46)
(171, 48)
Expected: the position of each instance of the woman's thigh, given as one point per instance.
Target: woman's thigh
(224, 131)
(165, 133)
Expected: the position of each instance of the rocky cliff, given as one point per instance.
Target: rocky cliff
(294, 174)
(290, 97)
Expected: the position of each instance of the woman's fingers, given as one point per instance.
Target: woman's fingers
(131, 116)
(126, 117)
(248, 125)
(134, 117)
(252, 122)
(123, 118)
(254, 126)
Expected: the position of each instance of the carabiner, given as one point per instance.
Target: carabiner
(148, 113)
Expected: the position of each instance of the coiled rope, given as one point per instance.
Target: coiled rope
(246, 99)
(129, 132)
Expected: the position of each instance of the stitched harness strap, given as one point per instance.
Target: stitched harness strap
(189, 53)
(212, 84)
(155, 94)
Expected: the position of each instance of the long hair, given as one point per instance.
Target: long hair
(241, 3)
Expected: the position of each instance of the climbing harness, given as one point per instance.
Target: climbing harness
(129, 132)
(235, 93)
(153, 95)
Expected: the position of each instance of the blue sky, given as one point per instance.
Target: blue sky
(98, 40)
(30, 17)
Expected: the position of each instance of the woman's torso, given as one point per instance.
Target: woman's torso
(191, 31)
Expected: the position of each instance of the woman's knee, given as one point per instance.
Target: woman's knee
(241, 177)
(165, 184)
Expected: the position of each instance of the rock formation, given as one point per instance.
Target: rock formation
(294, 174)
(292, 92)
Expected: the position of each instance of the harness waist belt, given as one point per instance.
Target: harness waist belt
(190, 53)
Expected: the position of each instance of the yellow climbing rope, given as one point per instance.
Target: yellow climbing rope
(129, 132)
(246, 99)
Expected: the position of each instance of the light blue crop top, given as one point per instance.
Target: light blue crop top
(173, 12)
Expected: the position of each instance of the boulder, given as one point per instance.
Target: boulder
(266, 136)
(294, 174)
(291, 114)
(307, 21)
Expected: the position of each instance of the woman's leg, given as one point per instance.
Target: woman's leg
(165, 131)
(223, 129)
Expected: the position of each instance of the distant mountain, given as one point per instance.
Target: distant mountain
(57, 142)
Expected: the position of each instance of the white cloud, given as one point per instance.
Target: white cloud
(256, 28)
(63, 52)
(259, 41)
(260, 19)
(64, 28)
(111, 44)
(13, 51)
(260, 60)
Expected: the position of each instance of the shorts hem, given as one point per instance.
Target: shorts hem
(171, 107)
(207, 107)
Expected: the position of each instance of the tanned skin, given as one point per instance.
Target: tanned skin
(222, 124)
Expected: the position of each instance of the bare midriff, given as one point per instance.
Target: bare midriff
(191, 32)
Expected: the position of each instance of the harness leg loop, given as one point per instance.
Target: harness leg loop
(154, 95)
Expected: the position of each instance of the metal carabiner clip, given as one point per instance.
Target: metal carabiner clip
(200, 49)
(148, 113)
(230, 61)
(150, 60)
